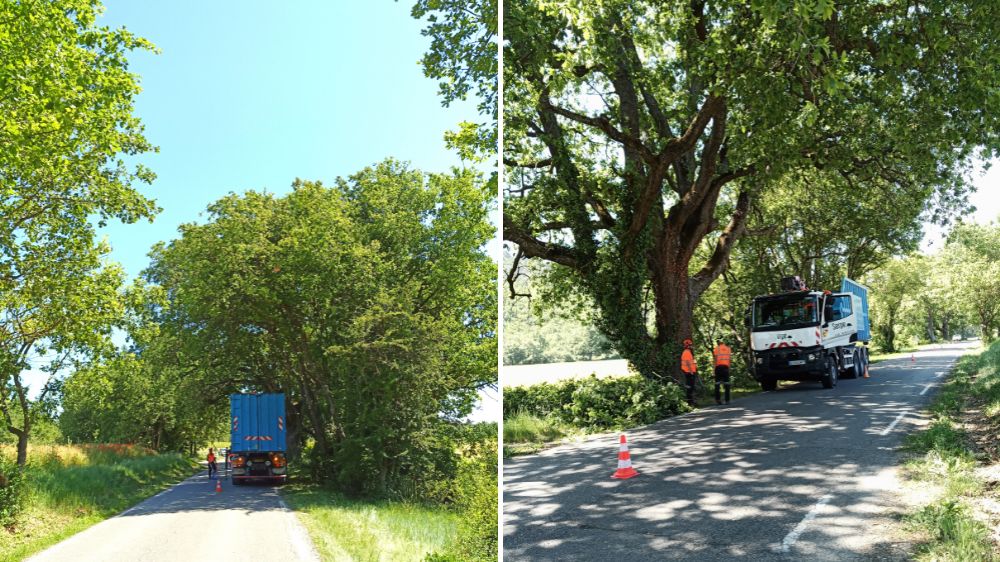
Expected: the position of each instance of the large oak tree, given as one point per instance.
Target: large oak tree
(637, 132)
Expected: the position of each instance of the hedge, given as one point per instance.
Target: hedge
(593, 403)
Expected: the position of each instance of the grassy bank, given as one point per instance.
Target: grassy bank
(69, 488)
(345, 529)
(957, 456)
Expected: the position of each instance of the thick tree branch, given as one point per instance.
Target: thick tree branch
(604, 124)
(723, 248)
(535, 248)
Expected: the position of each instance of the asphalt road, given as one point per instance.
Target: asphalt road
(800, 473)
(192, 522)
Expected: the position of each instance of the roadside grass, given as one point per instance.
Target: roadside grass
(947, 458)
(370, 530)
(71, 487)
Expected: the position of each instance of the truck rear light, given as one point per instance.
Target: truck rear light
(239, 461)
(277, 460)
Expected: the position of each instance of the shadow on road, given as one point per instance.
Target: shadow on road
(198, 494)
(724, 482)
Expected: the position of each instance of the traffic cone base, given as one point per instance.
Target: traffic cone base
(623, 473)
(625, 469)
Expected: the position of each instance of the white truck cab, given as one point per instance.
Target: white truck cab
(808, 335)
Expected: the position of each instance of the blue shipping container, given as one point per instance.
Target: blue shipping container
(257, 422)
(864, 325)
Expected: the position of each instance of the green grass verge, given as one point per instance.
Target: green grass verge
(70, 488)
(370, 530)
(946, 458)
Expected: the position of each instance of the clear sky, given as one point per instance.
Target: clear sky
(253, 94)
(986, 200)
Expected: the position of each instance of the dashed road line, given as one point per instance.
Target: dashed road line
(926, 388)
(894, 422)
(790, 538)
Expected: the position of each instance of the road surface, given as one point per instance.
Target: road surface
(801, 473)
(192, 522)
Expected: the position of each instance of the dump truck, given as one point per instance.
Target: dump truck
(807, 335)
(257, 437)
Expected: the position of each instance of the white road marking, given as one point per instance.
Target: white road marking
(894, 422)
(926, 388)
(939, 373)
(790, 538)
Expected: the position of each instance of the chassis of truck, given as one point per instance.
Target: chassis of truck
(257, 436)
(803, 335)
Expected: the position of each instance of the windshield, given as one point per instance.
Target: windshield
(795, 311)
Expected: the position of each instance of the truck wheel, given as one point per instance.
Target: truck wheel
(852, 372)
(769, 384)
(830, 379)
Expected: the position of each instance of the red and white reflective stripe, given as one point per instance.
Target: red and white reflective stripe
(281, 423)
(624, 460)
(257, 438)
(236, 423)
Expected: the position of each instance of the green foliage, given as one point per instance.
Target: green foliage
(12, 492)
(371, 304)
(477, 499)
(539, 400)
(593, 403)
(643, 139)
(463, 57)
(66, 129)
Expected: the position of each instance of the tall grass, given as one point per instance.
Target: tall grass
(70, 488)
(369, 530)
(523, 427)
(946, 460)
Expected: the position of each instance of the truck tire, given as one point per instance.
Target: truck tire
(769, 384)
(829, 380)
(852, 372)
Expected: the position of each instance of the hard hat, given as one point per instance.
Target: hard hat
(688, 342)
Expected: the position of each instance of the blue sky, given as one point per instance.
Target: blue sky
(246, 95)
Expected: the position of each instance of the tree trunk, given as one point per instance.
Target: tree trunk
(22, 448)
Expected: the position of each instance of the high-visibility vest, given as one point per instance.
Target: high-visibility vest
(722, 354)
(687, 362)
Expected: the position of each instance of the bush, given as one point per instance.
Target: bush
(593, 403)
(476, 491)
(12, 492)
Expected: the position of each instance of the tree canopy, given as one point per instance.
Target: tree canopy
(644, 139)
(369, 303)
(66, 124)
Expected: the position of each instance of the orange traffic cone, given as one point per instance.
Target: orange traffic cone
(218, 484)
(866, 371)
(625, 469)
(913, 358)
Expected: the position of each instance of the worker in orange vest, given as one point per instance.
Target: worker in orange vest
(722, 355)
(690, 369)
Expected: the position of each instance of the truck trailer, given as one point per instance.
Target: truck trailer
(807, 335)
(257, 437)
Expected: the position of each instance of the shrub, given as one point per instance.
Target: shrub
(620, 402)
(12, 492)
(594, 403)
